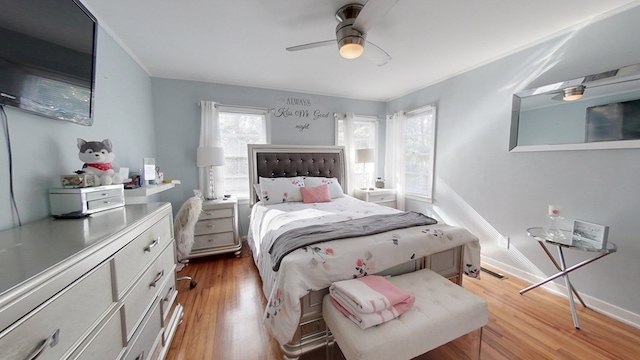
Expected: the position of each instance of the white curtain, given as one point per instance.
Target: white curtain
(394, 167)
(350, 149)
(210, 136)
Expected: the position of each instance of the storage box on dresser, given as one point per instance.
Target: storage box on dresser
(216, 231)
(386, 197)
(84, 201)
(72, 289)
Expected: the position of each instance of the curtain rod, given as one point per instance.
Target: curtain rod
(420, 109)
(240, 107)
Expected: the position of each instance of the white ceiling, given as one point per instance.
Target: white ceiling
(243, 42)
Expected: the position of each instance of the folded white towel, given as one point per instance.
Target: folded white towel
(370, 300)
(367, 294)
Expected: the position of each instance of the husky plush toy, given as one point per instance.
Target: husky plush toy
(97, 157)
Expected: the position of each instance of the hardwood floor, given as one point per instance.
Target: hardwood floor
(223, 321)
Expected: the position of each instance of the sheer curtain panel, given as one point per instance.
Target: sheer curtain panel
(394, 168)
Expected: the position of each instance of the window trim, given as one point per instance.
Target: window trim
(235, 109)
(432, 148)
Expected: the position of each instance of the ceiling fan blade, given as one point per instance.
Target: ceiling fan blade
(371, 14)
(375, 54)
(312, 45)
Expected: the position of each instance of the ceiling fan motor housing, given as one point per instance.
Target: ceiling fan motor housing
(345, 33)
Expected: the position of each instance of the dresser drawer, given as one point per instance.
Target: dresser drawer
(214, 226)
(137, 255)
(66, 319)
(137, 302)
(105, 203)
(210, 240)
(216, 213)
(168, 296)
(107, 342)
(148, 338)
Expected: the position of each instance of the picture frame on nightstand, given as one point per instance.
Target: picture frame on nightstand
(591, 234)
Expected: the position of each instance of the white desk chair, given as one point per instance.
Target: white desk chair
(183, 227)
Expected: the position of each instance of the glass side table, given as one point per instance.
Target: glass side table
(562, 239)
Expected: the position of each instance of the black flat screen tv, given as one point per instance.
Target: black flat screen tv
(615, 121)
(47, 58)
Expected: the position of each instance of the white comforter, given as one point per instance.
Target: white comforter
(315, 267)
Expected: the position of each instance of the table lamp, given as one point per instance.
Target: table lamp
(365, 156)
(210, 156)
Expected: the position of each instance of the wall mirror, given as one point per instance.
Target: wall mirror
(598, 111)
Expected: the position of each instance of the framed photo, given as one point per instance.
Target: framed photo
(590, 234)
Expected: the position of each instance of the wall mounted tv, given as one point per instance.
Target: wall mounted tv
(615, 121)
(47, 58)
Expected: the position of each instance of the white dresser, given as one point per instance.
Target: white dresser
(99, 287)
(216, 231)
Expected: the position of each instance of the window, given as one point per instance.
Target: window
(239, 128)
(365, 136)
(419, 148)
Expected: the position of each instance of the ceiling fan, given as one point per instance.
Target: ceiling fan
(354, 21)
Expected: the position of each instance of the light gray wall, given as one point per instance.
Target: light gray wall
(43, 149)
(484, 187)
(177, 119)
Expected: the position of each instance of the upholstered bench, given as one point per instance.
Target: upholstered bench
(443, 311)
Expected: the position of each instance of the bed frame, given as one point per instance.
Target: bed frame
(328, 161)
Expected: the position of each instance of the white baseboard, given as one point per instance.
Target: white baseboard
(600, 306)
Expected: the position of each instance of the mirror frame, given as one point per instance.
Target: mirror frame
(625, 74)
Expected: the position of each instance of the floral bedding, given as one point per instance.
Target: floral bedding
(316, 266)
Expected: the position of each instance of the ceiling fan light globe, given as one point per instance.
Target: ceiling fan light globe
(351, 50)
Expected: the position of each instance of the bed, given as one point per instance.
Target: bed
(295, 280)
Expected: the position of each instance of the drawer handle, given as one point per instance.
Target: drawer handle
(158, 277)
(166, 298)
(153, 243)
(52, 341)
(104, 194)
(141, 356)
(106, 202)
(208, 213)
(211, 226)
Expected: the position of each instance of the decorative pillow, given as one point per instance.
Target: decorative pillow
(315, 194)
(280, 190)
(335, 190)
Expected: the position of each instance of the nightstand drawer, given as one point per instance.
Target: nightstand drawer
(207, 241)
(214, 226)
(216, 214)
(391, 204)
(381, 197)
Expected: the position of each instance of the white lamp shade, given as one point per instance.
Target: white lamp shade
(210, 156)
(365, 156)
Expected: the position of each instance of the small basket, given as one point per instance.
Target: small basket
(77, 180)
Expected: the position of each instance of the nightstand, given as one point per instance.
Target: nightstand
(216, 231)
(385, 197)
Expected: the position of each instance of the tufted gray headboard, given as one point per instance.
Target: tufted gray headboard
(295, 160)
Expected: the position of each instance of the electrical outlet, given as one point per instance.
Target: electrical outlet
(504, 241)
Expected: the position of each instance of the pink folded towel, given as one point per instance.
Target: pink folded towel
(370, 300)
(372, 319)
(367, 294)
